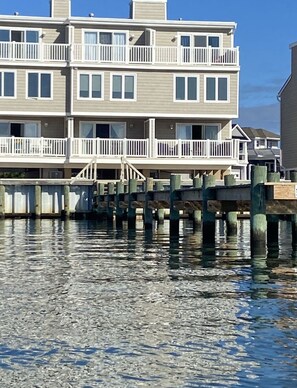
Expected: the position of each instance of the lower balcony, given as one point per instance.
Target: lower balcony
(80, 151)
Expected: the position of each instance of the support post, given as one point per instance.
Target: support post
(208, 218)
(132, 187)
(231, 217)
(2, 201)
(197, 184)
(110, 192)
(66, 210)
(100, 191)
(37, 201)
(119, 210)
(175, 183)
(148, 213)
(273, 220)
(160, 212)
(293, 178)
(258, 211)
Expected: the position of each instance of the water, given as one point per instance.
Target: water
(87, 306)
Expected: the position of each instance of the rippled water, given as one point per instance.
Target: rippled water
(83, 305)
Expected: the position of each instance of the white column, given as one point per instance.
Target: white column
(152, 137)
(70, 127)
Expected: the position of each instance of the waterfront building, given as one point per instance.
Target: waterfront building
(263, 149)
(288, 97)
(157, 94)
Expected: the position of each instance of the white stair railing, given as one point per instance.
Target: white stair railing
(128, 171)
(89, 172)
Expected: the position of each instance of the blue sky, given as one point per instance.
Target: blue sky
(265, 28)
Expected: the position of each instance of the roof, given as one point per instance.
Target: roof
(238, 133)
(261, 133)
(264, 154)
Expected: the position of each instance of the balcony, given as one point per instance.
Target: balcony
(101, 54)
(79, 150)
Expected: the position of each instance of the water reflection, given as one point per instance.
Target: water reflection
(87, 305)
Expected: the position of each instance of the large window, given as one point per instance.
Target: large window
(19, 36)
(192, 44)
(186, 88)
(7, 84)
(105, 46)
(216, 89)
(19, 129)
(90, 86)
(39, 85)
(123, 87)
(197, 131)
(103, 130)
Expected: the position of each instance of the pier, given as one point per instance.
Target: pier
(264, 200)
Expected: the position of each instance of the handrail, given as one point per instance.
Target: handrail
(130, 171)
(89, 172)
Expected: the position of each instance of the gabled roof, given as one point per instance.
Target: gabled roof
(238, 133)
(260, 133)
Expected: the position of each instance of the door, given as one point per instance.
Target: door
(185, 42)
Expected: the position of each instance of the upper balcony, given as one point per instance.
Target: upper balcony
(118, 54)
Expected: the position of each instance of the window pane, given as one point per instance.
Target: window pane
(117, 86)
(30, 130)
(210, 89)
(32, 36)
(8, 84)
(32, 85)
(1, 85)
(185, 41)
(117, 130)
(84, 86)
(200, 41)
(4, 35)
(192, 88)
(214, 41)
(86, 130)
(105, 38)
(4, 129)
(180, 88)
(184, 132)
(211, 132)
(45, 85)
(91, 37)
(222, 92)
(129, 87)
(96, 86)
(17, 36)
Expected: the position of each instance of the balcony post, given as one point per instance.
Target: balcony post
(207, 148)
(124, 147)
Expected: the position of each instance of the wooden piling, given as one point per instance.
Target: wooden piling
(37, 213)
(119, 210)
(272, 220)
(197, 184)
(148, 213)
(160, 212)
(110, 194)
(293, 178)
(175, 183)
(208, 218)
(231, 217)
(258, 222)
(2, 201)
(132, 189)
(66, 210)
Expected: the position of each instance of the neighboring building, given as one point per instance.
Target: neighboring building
(288, 102)
(161, 93)
(263, 149)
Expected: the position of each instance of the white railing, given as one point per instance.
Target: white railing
(109, 147)
(155, 55)
(15, 51)
(32, 146)
(195, 148)
(99, 53)
(118, 148)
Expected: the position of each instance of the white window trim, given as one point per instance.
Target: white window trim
(123, 84)
(216, 101)
(126, 32)
(24, 122)
(219, 125)
(15, 85)
(257, 147)
(22, 29)
(27, 85)
(90, 73)
(100, 122)
(193, 34)
(186, 76)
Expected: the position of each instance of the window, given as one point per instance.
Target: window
(39, 85)
(105, 46)
(29, 36)
(216, 89)
(123, 87)
(197, 131)
(90, 86)
(192, 46)
(30, 50)
(7, 84)
(102, 130)
(20, 129)
(186, 88)
(260, 143)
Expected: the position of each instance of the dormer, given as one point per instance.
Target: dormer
(148, 9)
(60, 8)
